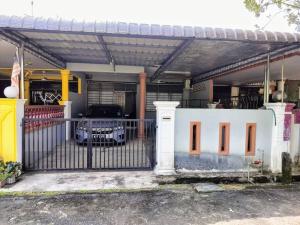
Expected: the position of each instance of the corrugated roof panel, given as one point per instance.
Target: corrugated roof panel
(189, 31)
(261, 36)
(145, 29)
(251, 35)
(167, 30)
(111, 27)
(123, 28)
(59, 36)
(144, 60)
(28, 22)
(143, 50)
(100, 27)
(133, 28)
(240, 34)
(291, 37)
(137, 29)
(66, 25)
(230, 34)
(16, 22)
(4, 21)
(77, 51)
(39, 23)
(86, 60)
(155, 29)
(199, 32)
(142, 41)
(53, 24)
(220, 33)
(89, 27)
(61, 44)
(178, 31)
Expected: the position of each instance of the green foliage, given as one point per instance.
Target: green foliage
(2, 166)
(9, 169)
(3, 177)
(290, 8)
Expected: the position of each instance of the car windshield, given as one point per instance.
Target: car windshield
(104, 111)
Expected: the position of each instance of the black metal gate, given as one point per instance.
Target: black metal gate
(69, 144)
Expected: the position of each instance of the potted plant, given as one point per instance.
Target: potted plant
(13, 170)
(10, 178)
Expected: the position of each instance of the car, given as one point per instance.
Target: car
(104, 125)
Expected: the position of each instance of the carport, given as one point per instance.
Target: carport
(133, 65)
(114, 58)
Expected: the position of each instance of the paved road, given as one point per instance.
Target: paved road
(183, 206)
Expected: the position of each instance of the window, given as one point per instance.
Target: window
(224, 136)
(250, 139)
(195, 137)
(161, 96)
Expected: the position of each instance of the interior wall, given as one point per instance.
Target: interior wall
(3, 85)
(79, 101)
(209, 158)
(202, 90)
(292, 90)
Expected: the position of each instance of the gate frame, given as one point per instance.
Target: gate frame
(89, 144)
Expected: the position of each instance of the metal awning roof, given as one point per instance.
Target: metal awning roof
(203, 52)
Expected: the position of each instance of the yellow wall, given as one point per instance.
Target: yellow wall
(8, 130)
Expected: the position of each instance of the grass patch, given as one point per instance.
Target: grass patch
(57, 193)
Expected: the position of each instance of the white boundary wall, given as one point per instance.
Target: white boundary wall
(209, 159)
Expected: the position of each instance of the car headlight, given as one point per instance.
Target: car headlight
(82, 128)
(118, 128)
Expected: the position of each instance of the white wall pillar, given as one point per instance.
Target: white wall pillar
(279, 144)
(165, 119)
(20, 116)
(68, 115)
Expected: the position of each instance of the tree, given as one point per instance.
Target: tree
(289, 8)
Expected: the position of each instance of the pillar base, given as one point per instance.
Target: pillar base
(164, 172)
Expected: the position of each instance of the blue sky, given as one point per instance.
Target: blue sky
(215, 13)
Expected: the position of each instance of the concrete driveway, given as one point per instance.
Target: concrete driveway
(83, 181)
(136, 153)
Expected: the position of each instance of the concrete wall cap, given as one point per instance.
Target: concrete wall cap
(166, 104)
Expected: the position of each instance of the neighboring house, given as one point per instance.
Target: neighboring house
(78, 65)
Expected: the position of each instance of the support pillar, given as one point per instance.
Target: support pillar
(186, 94)
(211, 91)
(65, 74)
(21, 60)
(235, 91)
(165, 133)
(281, 132)
(142, 102)
(11, 115)
(27, 91)
(65, 84)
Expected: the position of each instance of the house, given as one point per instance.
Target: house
(149, 70)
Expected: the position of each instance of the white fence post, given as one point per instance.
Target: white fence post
(68, 115)
(165, 119)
